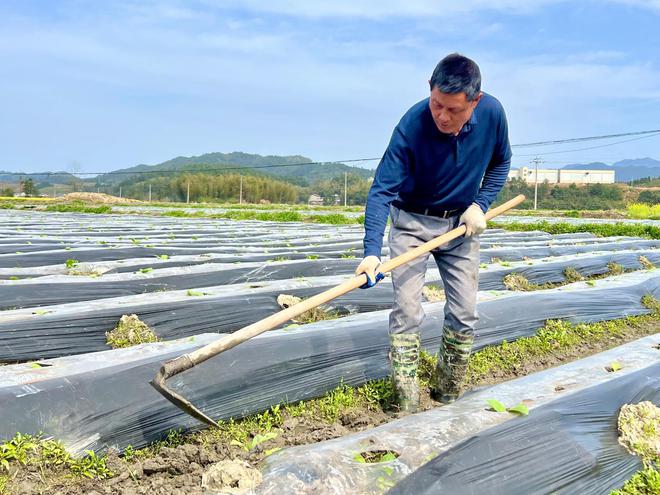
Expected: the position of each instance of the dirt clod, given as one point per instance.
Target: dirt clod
(639, 429)
(130, 331)
(233, 476)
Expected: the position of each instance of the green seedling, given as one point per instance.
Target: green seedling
(14, 277)
(496, 405)
(256, 440)
(312, 256)
(145, 270)
(613, 367)
(71, 263)
(195, 293)
(520, 409)
(163, 257)
(40, 312)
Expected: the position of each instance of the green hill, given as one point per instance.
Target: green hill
(286, 168)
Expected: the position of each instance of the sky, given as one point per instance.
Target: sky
(89, 86)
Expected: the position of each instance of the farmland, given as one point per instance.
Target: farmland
(558, 306)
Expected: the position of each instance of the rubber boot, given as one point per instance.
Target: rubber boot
(453, 359)
(404, 356)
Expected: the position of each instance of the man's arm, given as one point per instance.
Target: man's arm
(498, 168)
(390, 174)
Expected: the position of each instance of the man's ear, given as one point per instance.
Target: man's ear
(476, 100)
(430, 86)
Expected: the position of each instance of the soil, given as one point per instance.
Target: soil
(99, 198)
(571, 354)
(180, 470)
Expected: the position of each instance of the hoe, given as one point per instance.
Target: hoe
(187, 361)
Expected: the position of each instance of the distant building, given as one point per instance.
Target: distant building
(315, 200)
(563, 176)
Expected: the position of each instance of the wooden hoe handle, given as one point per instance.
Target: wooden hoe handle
(187, 361)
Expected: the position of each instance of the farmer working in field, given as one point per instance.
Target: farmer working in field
(448, 158)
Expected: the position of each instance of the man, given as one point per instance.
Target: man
(448, 158)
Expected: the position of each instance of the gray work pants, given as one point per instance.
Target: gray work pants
(458, 262)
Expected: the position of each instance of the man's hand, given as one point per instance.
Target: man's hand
(370, 265)
(474, 220)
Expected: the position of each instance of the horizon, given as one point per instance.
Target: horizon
(91, 175)
(92, 87)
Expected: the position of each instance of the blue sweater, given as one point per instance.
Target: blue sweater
(423, 167)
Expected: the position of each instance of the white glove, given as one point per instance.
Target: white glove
(369, 265)
(474, 220)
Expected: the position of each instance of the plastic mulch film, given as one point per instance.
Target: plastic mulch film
(57, 289)
(573, 221)
(561, 416)
(568, 446)
(102, 399)
(506, 315)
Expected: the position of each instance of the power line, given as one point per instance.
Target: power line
(588, 138)
(643, 134)
(592, 147)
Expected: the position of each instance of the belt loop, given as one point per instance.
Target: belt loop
(426, 211)
(444, 214)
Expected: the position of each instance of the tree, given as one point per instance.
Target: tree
(7, 192)
(29, 188)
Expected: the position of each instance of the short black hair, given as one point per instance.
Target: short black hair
(457, 74)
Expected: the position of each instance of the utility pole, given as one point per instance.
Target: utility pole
(536, 162)
(240, 192)
(188, 193)
(149, 193)
(345, 186)
(120, 191)
(54, 190)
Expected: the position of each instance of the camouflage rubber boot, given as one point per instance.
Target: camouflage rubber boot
(404, 355)
(452, 365)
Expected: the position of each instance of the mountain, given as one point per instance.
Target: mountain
(282, 167)
(624, 170)
(45, 177)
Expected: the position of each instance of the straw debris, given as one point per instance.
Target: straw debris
(572, 275)
(130, 331)
(316, 314)
(639, 430)
(433, 293)
(646, 263)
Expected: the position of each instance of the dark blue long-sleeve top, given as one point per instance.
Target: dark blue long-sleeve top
(423, 167)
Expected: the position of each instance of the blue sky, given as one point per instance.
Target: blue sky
(95, 86)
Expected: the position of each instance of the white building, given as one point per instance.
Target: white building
(561, 176)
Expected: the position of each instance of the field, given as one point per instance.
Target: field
(92, 302)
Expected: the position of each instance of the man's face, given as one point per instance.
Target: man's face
(451, 111)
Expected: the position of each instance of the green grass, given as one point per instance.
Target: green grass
(29, 450)
(644, 482)
(555, 336)
(599, 229)
(78, 207)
